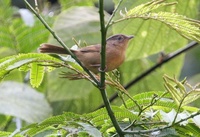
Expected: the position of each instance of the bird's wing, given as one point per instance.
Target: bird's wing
(95, 65)
(92, 48)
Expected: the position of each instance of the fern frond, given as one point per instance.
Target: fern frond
(186, 27)
(164, 103)
(99, 117)
(24, 35)
(8, 64)
(6, 134)
(64, 124)
(148, 7)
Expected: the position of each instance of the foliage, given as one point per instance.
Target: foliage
(154, 113)
(97, 123)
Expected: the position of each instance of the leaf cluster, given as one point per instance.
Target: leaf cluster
(147, 121)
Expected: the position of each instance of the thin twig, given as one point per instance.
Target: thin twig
(113, 14)
(36, 6)
(61, 42)
(153, 101)
(159, 64)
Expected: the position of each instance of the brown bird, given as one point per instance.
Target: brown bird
(89, 56)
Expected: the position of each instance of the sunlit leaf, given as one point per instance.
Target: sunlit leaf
(36, 74)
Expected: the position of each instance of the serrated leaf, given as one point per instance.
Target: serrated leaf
(22, 101)
(36, 74)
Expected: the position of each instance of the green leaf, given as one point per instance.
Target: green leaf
(148, 7)
(67, 123)
(20, 39)
(145, 99)
(192, 96)
(190, 130)
(24, 35)
(36, 74)
(101, 119)
(7, 134)
(22, 101)
(10, 63)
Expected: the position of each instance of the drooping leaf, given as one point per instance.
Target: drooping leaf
(36, 74)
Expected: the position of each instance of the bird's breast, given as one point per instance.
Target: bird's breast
(114, 59)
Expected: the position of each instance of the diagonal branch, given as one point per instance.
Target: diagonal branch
(96, 82)
(159, 64)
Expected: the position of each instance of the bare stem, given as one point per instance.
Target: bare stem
(103, 67)
(113, 14)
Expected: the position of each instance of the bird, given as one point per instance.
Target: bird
(90, 56)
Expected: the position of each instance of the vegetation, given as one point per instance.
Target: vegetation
(144, 106)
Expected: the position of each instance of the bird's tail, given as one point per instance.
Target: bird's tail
(49, 48)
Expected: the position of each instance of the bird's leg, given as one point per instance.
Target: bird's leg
(100, 70)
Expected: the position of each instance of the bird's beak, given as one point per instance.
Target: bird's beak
(130, 37)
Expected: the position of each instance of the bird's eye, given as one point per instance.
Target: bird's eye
(120, 38)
